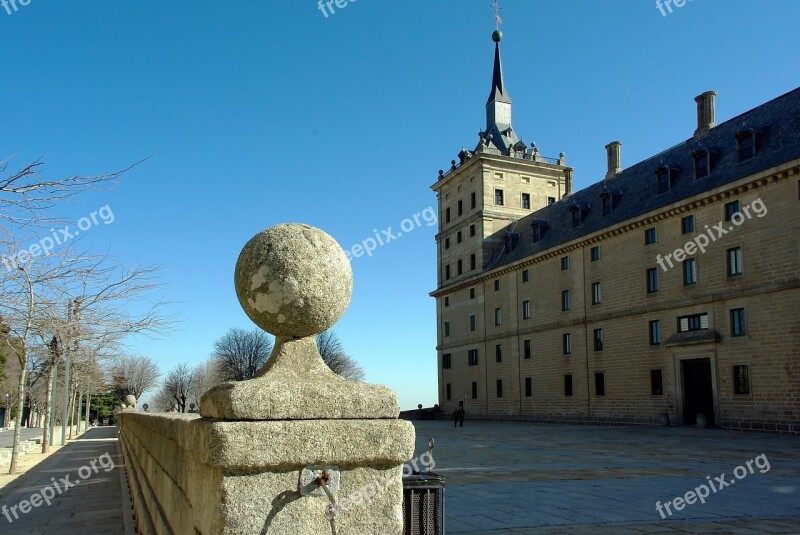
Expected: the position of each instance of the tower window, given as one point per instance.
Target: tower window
(568, 385)
(472, 357)
(460, 266)
(526, 310)
(447, 243)
(458, 237)
(497, 318)
(446, 362)
(655, 332)
(596, 297)
(598, 339)
(526, 201)
(472, 262)
(460, 208)
(528, 387)
(498, 197)
(652, 280)
(446, 329)
(447, 272)
(565, 300)
(471, 231)
(447, 215)
(567, 343)
(472, 199)
(498, 353)
(472, 323)
(687, 224)
(526, 349)
(551, 200)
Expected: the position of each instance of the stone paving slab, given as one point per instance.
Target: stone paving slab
(505, 477)
(93, 505)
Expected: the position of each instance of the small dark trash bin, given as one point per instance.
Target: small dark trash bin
(423, 504)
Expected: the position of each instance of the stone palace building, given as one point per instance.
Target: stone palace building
(669, 289)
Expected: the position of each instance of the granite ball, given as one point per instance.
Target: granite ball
(293, 280)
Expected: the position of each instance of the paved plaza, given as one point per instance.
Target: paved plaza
(537, 478)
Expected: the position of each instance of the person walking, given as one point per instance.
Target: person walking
(461, 415)
(455, 418)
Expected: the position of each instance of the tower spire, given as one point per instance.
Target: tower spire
(498, 106)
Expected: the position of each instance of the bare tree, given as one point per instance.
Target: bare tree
(134, 374)
(180, 385)
(332, 352)
(206, 376)
(240, 353)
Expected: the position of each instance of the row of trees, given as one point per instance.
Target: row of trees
(64, 311)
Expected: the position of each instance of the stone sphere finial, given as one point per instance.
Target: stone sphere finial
(130, 400)
(293, 280)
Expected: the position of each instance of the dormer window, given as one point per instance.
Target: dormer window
(539, 227)
(578, 214)
(746, 144)
(702, 164)
(664, 177)
(608, 199)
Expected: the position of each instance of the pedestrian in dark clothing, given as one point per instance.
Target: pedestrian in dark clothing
(455, 418)
(461, 415)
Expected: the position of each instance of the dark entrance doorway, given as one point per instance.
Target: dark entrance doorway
(698, 393)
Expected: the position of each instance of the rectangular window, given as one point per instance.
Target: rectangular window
(655, 332)
(471, 231)
(537, 233)
(447, 328)
(607, 203)
(472, 293)
(460, 208)
(447, 215)
(596, 297)
(702, 167)
(526, 349)
(599, 384)
(738, 326)
(447, 272)
(472, 199)
(447, 243)
(472, 323)
(497, 317)
(528, 387)
(564, 263)
(741, 379)
(734, 262)
(565, 300)
(446, 361)
(497, 285)
(687, 224)
(656, 383)
(499, 388)
(472, 262)
(689, 271)
(498, 197)
(595, 253)
(598, 339)
(458, 237)
(526, 201)
(731, 208)
(474, 390)
(650, 236)
(577, 217)
(664, 181)
(447, 301)
(460, 266)
(746, 145)
(498, 353)
(568, 385)
(472, 357)
(652, 280)
(551, 200)
(567, 343)
(525, 275)
(695, 322)
(526, 310)
(449, 391)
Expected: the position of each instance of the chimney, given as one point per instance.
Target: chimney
(614, 159)
(706, 113)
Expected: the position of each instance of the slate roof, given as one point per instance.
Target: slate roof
(777, 126)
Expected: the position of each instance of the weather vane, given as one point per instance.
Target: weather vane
(496, 8)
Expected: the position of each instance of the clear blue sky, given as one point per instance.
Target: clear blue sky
(267, 112)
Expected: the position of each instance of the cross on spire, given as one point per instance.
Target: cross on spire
(496, 8)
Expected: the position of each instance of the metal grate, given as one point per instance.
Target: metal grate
(423, 505)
